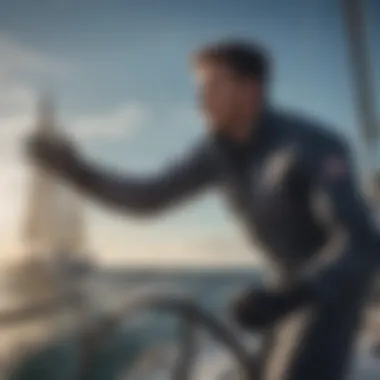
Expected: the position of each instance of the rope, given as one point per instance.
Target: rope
(94, 339)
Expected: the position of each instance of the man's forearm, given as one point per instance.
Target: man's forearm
(107, 187)
(136, 196)
(142, 195)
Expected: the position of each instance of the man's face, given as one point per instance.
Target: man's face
(224, 98)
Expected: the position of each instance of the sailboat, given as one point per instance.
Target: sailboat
(54, 230)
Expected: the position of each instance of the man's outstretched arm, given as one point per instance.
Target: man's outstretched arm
(142, 196)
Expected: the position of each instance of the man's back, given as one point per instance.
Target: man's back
(273, 185)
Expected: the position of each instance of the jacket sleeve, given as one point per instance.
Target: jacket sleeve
(333, 172)
(144, 196)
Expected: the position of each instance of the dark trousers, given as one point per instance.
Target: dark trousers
(315, 343)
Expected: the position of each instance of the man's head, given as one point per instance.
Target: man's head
(231, 78)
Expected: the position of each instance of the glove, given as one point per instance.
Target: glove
(260, 308)
(54, 154)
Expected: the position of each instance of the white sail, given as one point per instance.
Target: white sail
(40, 213)
(69, 233)
(54, 220)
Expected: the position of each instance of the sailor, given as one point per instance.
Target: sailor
(291, 182)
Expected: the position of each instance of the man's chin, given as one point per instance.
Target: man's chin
(216, 128)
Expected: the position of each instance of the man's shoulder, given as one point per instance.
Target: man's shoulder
(202, 150)
(312, 133)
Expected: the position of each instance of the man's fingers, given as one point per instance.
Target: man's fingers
(258, 308)
(51, 153)
(38, 149)
(243, 310)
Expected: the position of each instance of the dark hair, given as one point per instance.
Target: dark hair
(246, 59)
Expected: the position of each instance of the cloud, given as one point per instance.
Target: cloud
(17, 59)
(118, 122)
(18, 97)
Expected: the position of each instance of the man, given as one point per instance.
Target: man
(291, 183)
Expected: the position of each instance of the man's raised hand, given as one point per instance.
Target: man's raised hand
(52, 153)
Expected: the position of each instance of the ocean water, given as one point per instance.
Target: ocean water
(145, 345)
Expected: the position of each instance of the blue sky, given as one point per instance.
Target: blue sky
(126, 63)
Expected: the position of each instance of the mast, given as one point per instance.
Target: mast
(361, 69)
(353, 12)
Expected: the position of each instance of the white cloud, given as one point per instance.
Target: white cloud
(19, 59)
(17, 95)
(16, 98)
(110, 125)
